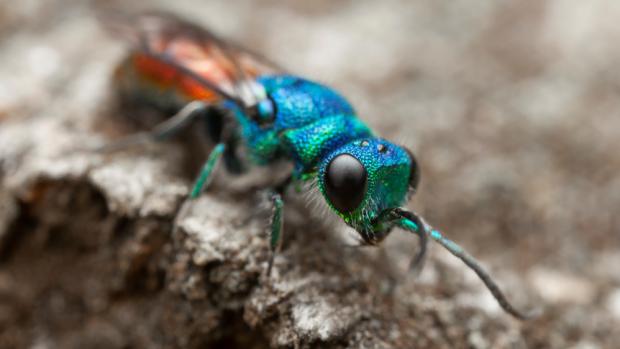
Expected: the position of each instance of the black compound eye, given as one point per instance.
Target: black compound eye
(414, 171)
(345, 182)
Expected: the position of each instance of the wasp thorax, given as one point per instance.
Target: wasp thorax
(345, 182)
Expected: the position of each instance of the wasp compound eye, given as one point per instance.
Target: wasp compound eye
(345, 182)
(414, 171)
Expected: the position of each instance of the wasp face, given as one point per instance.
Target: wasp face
(364, 178)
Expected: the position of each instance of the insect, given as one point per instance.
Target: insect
(258, 114)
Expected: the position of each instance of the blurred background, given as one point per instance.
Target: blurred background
(512, 108)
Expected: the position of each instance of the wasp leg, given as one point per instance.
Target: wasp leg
(205, 177)
(200, 184)
(170, 127)
(275, 240)
(277, 220)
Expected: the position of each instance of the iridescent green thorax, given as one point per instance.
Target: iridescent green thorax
(311, 143)
(309, 120)
(388, 171)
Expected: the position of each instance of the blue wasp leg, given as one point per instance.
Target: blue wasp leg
(413, 222)
(277, 220)
(275, 239)
(205, 176)
(201, 183)
(162, 131)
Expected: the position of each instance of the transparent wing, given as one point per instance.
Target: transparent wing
(203, 65)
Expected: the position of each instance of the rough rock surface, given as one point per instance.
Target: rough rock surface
(512, 108)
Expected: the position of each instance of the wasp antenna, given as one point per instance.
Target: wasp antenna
(415, 223)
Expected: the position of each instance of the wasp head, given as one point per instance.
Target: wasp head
(364, 180)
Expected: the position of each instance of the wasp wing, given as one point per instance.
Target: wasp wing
(180, 54)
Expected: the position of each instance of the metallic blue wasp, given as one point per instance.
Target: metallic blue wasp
(258, 115)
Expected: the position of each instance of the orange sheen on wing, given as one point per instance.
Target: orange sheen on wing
(167, 76)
